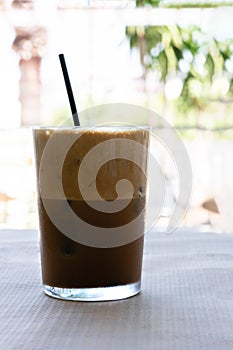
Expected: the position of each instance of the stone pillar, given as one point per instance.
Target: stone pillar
(23, 4)
(30, 44)
(2, 5)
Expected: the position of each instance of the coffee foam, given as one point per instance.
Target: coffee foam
(77, 143)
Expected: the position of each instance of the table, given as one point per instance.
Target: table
(186, 300)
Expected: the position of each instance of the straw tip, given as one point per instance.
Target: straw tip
(61, 57)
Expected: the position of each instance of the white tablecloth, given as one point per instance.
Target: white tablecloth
(186, 300)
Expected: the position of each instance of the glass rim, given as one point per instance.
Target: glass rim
(94, 127)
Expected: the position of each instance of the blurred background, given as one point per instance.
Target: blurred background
(173, 57)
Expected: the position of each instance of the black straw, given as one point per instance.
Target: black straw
(69, 90)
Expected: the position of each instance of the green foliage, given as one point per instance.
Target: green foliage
(182, 3)
(202, 63)
(147, 2)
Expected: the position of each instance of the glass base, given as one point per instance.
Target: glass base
(94, 294)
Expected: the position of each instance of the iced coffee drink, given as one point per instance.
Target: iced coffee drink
(91, 203)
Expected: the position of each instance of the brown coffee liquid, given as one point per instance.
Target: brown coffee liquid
(67, 263)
